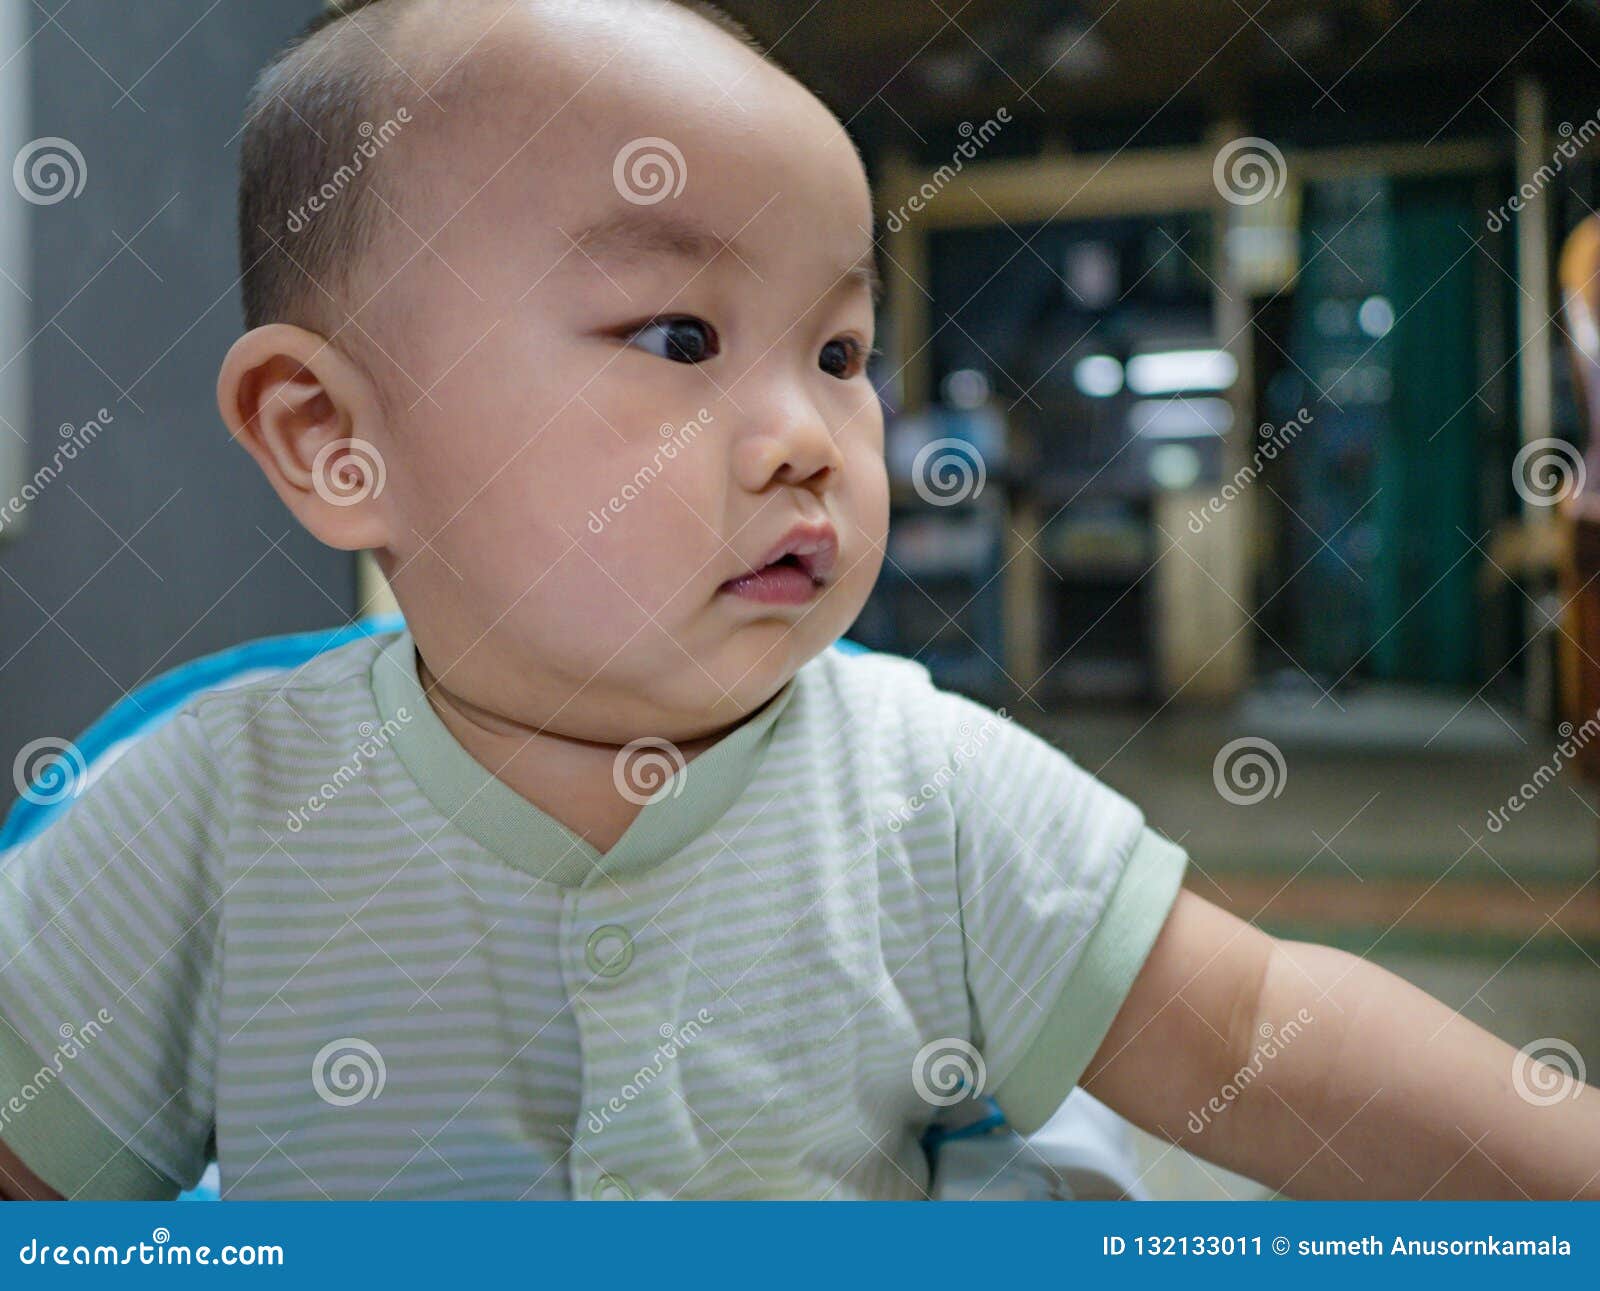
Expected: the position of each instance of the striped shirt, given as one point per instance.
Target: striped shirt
(298, 930)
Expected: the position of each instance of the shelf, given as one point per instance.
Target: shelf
(902, 572)
(1063, 490)
(1112, 572)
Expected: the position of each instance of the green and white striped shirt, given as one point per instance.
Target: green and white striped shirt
(299, 930)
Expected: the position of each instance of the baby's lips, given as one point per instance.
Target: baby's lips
(819, 563)
(813, 544)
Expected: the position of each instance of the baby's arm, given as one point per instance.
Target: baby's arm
(18, 1183)
(1385, 1092)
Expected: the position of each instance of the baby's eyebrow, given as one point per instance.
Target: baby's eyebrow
(641, 233)
(865, 271)
(644, 233)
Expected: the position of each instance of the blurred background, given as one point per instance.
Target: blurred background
(1238, 362)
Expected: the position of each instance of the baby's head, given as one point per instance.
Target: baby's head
(589, 283)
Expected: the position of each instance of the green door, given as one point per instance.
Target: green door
(1425, 618)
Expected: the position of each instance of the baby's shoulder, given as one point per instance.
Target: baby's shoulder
(334, 675)
(891, 707)
(885, 719)
(290, 717)
(874, 693)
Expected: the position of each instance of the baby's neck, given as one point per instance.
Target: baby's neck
(570, 780)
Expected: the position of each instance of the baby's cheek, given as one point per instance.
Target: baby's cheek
(655, 540)
(869, 509)
(650, 575)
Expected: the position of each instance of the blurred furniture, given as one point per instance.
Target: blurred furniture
(1199, 639)
(938, 597)
(1578, 515)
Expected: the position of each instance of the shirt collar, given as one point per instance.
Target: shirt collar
(521, 834)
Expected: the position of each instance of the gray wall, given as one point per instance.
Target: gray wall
(156, 543)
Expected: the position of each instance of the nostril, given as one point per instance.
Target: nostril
(821, 475)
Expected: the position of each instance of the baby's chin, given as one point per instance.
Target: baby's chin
(613, 682)
(723, 687)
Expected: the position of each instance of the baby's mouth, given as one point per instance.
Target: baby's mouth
(784, 582)
(794, 571)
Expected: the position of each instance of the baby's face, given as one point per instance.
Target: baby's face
(620, 399)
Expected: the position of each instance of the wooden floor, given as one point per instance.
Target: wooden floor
(1562, 914)
(1371, 805)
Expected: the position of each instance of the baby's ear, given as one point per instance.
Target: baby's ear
(312, 420)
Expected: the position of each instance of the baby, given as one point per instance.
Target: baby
(610, 877)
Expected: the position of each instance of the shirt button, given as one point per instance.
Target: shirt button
(611, 1187)
(609, 950)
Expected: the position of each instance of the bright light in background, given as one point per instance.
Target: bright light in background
(1180, 418)
(1174, 466)
(1173, 371)
(966, 388)
(1376, 316)
(1099, 376)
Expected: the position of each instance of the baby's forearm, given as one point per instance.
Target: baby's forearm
(1386, 1092)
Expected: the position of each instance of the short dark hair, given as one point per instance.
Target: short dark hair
(309, 126)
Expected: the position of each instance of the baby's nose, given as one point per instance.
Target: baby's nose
(796, 447)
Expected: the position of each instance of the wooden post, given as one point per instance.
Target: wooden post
(1534, 311)
(1204, 581)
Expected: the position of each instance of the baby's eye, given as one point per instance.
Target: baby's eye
(681, 339)
(843, 358)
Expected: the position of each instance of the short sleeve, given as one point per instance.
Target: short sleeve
(1064, 890)
(109, 921)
